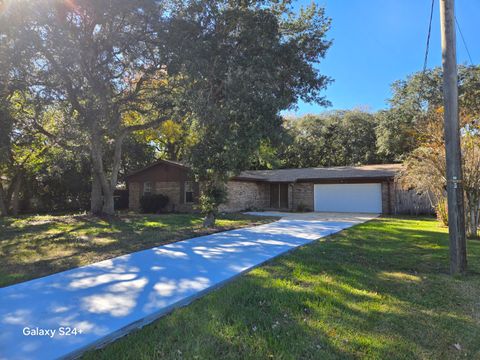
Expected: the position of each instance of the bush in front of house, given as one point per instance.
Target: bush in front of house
(153, 203)
(302, 208)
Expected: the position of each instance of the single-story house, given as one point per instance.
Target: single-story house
(165, 177)
(369, 188)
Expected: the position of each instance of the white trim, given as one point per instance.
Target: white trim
(150, 191)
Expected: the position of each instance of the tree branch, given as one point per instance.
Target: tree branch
(145, 126)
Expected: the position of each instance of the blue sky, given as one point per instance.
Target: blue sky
(376, 42)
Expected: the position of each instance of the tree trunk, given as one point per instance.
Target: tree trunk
(472, 213)
(473, 221)
(209, 221)
(108, 203)
(472, 226)
(109, 190)
(99, 171)
(477, 219)
(16, 195)
(3, 205)
(107, 185)
(171, 152)
(96, 201)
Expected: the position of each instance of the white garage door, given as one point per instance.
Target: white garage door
(348, 197)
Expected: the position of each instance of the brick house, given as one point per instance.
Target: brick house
(166, 177)
(369, 188)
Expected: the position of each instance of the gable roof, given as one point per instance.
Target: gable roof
(159, 162)
(387, 171)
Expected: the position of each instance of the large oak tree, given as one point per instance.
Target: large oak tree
(104, 63)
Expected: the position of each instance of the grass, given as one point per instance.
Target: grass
(380, 290)
(35, 246)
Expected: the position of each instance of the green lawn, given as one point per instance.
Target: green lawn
(379, 290)
(35, 246)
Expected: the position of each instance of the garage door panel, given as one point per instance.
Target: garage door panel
(365, 198)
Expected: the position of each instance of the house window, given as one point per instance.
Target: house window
(188, 192)
(147, 188)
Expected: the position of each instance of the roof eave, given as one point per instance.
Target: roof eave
(155, 164)
(351, 178)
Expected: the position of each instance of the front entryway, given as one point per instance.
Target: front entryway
(279, 196)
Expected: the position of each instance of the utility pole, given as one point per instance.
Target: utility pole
(456, 212)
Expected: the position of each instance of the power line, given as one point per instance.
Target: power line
(425, 60)
(463, 40)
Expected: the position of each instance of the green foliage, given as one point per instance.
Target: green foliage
(425, 166)
(212, 195)
(102, 66)
(413, 98)
(154, 203)
(59, 182)
(416, 119)
(21, 148)
(54, 178)
(206, 85)
(337, 138)
(137, 153)
(111, 68)
(243, 63)
(356, 137)
(267, 156)
(395, 135)
(171, 140)
(301, 207)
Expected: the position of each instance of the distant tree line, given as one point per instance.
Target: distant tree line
(359, 137)
(337, 138)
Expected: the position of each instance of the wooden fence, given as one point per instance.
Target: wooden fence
(409, 202)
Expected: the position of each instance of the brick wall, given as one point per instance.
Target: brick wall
(172, 189)
(302, 193)
(263, 199)
(134, 196)
(166, 178)
(387, 197)
(246, 195)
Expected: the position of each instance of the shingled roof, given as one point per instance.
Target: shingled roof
(384, 171)
(159, 162)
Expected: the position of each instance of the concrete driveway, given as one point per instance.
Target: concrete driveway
(64, 314)
(318, 216)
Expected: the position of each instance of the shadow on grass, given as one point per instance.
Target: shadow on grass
(35, 246)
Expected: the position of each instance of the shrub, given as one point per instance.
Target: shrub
(301, 207)
(154, 203)
(120, 197)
